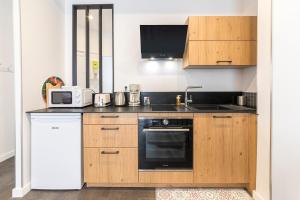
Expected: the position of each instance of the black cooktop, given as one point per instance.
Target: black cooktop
(163, 108)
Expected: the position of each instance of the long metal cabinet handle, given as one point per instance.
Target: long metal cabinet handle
(163, 129)
(110, 152)
(220, 61)
(105, 116)
(109, 129)
(222, 116)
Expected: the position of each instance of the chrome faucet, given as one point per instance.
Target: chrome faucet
(186, 100)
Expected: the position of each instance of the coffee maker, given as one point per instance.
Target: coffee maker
(134, 95)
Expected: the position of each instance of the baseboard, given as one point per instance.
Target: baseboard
(7, 155)
(257, 196)
(21, 192)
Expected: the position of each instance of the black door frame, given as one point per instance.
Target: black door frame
(100, 7)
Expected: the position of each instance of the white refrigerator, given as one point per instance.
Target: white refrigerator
(56, 151)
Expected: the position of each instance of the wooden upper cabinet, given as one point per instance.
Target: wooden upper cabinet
(221, 148)
(221, 42)
(222, 27)
(235, 53)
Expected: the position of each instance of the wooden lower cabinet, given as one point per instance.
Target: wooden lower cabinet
(224, 153)
(166, 177)
(212, 143)
(110, 165)
(221, 146)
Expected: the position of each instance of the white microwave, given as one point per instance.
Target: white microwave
(73, 97)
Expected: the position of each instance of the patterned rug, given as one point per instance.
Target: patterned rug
(201, 194)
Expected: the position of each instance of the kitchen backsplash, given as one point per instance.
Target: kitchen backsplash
(198, 97)
(250, 99)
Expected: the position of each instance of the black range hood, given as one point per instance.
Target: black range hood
(163, 41)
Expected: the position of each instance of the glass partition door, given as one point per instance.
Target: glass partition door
(93, 47)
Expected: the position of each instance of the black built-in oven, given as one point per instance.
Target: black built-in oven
(165, 144)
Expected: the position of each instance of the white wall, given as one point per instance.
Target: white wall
(42, 27)
(160, 75)
(264, 78)
(7, 135)
(286, 95)
(249, 79)
(42, 41)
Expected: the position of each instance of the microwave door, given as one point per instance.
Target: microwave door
(61, 98)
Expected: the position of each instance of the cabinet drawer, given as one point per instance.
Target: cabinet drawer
(222, 27)
(110, 135)
(110, 165)
(167, 177)
(222, 53)
(110, 118)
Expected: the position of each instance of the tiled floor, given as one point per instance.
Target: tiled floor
(7, 183)
(202, 194)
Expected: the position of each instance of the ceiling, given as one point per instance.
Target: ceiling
(221, 7)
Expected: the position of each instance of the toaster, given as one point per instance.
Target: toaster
(102, 100)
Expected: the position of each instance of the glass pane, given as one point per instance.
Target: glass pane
(107, 50)
(94, 49)
(61, 97)
(165, 145)
(81, 53)
(91, 60)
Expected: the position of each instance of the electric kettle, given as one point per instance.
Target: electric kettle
(120, 99)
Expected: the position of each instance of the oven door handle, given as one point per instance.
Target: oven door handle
(165, 130)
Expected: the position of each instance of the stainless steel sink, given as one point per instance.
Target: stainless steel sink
(208, 107)
(163, 108)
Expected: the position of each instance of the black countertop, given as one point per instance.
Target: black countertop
(148, 109)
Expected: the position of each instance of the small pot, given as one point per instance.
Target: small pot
(241, 100)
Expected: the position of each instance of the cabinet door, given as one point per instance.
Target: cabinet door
(110, 165)
(91, 165)
(212, 148)
(240, 147)
(220, 148)
(222, 27)
(224, 53)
